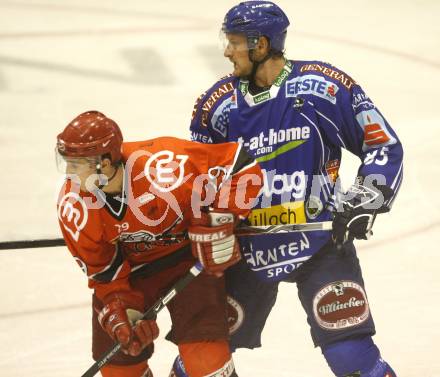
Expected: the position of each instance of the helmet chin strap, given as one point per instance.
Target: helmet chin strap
(256, 64)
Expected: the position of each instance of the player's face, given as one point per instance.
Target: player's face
(81, 170)
(85, 171)
(237, 51)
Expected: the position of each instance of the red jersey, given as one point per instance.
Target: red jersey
(166, 181)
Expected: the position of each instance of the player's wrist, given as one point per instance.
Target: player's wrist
(128, 299)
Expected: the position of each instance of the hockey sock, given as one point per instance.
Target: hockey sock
(178, 370)
(136, 370)
(211, 359)
(358, 357)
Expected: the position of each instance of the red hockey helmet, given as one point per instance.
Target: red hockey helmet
(91, 134)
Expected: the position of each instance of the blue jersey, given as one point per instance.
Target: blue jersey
(296, 130)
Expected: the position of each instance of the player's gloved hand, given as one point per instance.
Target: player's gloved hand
(213, 241)
(124, 324)
(355, 216)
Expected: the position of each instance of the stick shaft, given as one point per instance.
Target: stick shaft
(28, 244)
(250, 230)
(245, 230)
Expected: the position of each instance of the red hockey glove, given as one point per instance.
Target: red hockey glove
(124, 324)
(214, 242)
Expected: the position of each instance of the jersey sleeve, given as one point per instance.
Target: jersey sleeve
(210, 117)
(228, 177)
(354, 123)
(100, 260)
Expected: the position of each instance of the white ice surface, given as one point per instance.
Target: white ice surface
(143, 63)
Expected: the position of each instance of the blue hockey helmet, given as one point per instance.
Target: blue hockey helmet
(256, 19)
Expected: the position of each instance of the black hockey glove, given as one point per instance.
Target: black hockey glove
(357, 212)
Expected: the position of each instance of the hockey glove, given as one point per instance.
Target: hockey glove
(125, 325)
(213, 241)
(355, 216)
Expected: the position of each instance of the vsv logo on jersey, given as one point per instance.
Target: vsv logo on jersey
(312, 84)
(332, 169)
(72, 212)
(162, 176)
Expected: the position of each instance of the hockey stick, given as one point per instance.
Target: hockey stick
(255, 230)
(27, 244)
(150, 313)
(242, 230)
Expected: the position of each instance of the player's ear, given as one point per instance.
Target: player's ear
(105, 162)
(263, 46)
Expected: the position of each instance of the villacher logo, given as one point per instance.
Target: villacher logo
(340, 305)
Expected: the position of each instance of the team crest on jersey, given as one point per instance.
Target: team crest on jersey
(73, 214)
(143, 240)
(332, 169)
(140, 236)
(165, 171)
(340, 305)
